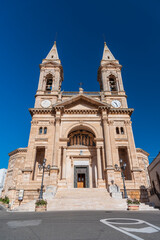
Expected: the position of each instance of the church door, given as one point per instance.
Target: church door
(81, 180)
(81, 176)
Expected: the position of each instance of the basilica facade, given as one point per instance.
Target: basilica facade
(85, 137)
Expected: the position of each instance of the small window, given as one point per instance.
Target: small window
(122, 130)
(40, 130)
(45, 130)
(117, 130)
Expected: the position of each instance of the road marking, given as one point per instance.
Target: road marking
(111, 222)
(26, 223)
(141, 230)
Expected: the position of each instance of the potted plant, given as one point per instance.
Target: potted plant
(5, 201)
(41, 205)
(133, 204)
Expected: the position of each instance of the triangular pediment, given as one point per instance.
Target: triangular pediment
(81, 101)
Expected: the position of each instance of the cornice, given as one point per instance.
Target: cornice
(18, 150)
(40, 111)
(142, 151)
(128, 111)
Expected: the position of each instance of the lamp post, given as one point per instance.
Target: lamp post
(43, 166)
(122, 169)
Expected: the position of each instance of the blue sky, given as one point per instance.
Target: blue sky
(28, 30)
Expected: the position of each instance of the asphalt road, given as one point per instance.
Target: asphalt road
(79, 225)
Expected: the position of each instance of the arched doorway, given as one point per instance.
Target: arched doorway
(81, 150)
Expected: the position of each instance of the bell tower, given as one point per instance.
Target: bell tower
(51, 77)
(110, 79)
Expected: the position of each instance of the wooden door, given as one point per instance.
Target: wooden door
(81, 180)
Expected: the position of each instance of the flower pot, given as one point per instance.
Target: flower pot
(41, 208)
(133, 207)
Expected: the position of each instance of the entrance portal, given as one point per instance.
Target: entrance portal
(81, 177)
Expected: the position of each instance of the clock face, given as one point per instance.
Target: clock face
(46, 103)
(116, 103)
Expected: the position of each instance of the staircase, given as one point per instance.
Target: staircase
(80, 199)
(84, 199)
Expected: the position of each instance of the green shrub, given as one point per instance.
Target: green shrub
(41, 202)
(133, 201)
(4, 200)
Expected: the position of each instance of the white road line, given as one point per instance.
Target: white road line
(141, 230)
(120, 230)
(110, 222)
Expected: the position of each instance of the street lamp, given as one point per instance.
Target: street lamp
(122, 169)
(44, 167)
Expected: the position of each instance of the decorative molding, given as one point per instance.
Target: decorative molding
(99, 139)
(59, 108)
(81, 111)
(18, 150)
(128, 111)
(40, 111)
(136, 170)
(41, 139)
(139, 150)
(84, 157)
(64, 139)
(127, 123)
(34, 122)
(52, 122)
(26, 170)
(110, 122)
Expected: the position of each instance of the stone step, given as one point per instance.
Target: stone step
(85, 199)
(147, 207)
(80, 199)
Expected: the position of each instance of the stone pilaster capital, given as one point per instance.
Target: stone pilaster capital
(110, 122)
(98, 147)
(34, 122)
(58, 119)
(127, 123)
(52, 122)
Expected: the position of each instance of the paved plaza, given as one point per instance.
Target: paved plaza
(79, 225)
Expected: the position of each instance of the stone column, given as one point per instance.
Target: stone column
(99, 165)
(107, 143)
(90, 173)
(56, 139)
(133, 155)
(64, 164)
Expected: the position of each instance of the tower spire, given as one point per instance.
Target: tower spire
(107, 55)
(53, 54)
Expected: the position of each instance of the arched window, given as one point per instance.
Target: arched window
(45, 130)
(112, 84)
(81, 137)
(40, 130)
(122, 130)
(117, 130)
(49, 84)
